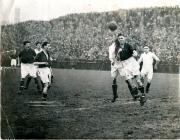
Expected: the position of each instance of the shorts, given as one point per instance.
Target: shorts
(45, 74)
(28, 69)
(127, 68)
(13, 62)
(148, 72)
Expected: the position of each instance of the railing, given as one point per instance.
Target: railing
(105, 65)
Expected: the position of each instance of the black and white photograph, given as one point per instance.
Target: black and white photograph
(90, 69)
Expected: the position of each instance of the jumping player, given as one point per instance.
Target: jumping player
(147, 66)
(43, 62)
(123, 63)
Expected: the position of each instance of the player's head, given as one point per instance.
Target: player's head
(27, 44)
(45, 45)
(146, 49)
(38, 45)
(121, 39)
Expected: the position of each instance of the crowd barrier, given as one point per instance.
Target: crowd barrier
(101, 65)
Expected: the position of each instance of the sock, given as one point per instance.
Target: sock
(27, 82)
(114, 81)
(141, 88)
(147, 87)
(21, 85)
(114, 88)
(129, 86)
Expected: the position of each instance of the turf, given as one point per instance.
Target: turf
(79, 106)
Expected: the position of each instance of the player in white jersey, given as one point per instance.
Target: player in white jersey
(147, 58)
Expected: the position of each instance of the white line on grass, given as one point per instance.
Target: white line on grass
(40, 105)
(9, 127)
(41, 102)
(108, 104)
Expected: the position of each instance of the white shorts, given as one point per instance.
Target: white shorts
(13, 62)
(45, 74)
(127, 68)
(28, 69)
(148, 72)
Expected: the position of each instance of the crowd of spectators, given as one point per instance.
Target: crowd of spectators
(87, 37)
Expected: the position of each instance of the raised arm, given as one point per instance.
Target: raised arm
(157, 61)
(155, 57)
(112, 53)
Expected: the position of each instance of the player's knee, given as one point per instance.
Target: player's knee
(149, 80)
(114, 75)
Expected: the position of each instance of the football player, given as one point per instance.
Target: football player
(37, 79)
(43, 62)
(26, 60)
(38, 49)
(147, 66)
(123, 63)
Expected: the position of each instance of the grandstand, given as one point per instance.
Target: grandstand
(87, 37)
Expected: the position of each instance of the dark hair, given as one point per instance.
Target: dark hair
(45, 44)
(38, 43)
(120, 34)
(117, 44)
(25, 42)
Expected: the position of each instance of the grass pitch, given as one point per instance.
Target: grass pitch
(79, 106)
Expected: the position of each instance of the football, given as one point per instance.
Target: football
(112, 25)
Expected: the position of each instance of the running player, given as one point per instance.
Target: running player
(26, 60)
(38, 49)
(147, 66)
(43, 62)
(37, 79)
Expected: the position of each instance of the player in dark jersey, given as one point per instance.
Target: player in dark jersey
(26, 59)
(37, 50)
(43, 62)
(123, 63)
